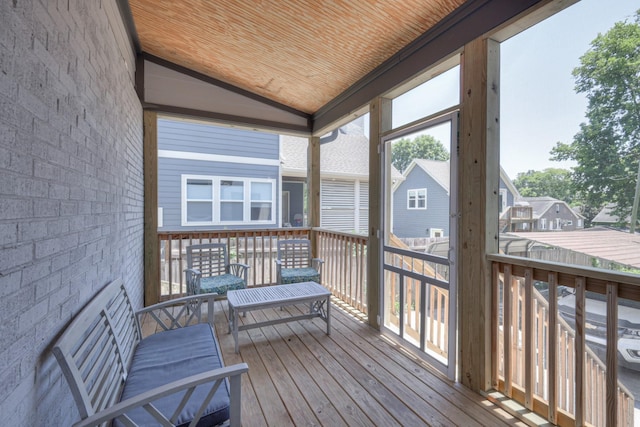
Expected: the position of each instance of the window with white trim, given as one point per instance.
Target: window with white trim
(213, 200)
(417, 198)
(543, 223)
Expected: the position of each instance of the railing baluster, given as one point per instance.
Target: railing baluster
(528, 339)
(552, 343)
(507, 321)
(580, 351)
(612, 354)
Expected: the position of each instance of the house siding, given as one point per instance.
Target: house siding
(565, 214)
(248, 148)
(192, 137)
(71, 189)
(416, 223)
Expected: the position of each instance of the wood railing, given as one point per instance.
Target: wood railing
(344, 271)
(542, 358)
(257, 248)
(417, 299)
(344, 256)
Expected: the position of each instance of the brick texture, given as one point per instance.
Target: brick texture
(71, 190)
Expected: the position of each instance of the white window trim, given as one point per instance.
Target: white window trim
(543, 223)
(415, 191)
(434, 231)
(215, 180)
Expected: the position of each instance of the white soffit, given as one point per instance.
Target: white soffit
(166, 87)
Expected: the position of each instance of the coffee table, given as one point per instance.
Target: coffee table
(243, 300)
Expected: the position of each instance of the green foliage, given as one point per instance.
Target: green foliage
(607, 146)
(421, 147)
(552, 182)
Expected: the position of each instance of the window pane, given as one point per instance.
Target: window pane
(260, 211)
(199, 212)
(435, 95)
(199, 189)
(231, 190)
(231, 211)
(261, 191)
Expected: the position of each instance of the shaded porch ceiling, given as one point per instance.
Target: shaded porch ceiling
(301, 54)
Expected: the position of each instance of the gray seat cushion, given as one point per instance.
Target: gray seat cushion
(172, 355)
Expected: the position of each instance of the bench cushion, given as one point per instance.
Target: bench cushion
(221, 284)
(172, 355)
(297, 275)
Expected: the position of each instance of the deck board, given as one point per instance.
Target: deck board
(298, 375)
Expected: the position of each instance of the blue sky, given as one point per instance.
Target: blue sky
(538, 104)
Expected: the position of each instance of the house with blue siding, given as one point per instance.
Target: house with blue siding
(216, 177)
(421, 200)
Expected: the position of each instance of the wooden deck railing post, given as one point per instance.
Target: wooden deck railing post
(612, 355)
(313, 190)
(151, 243)
(380, 121)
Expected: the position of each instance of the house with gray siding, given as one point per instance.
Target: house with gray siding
(551, 214)
(215, 177)
(421, 200)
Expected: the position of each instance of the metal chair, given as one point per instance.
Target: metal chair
(295, 264)
(209, 270)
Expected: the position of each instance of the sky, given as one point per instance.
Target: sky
(538, 104)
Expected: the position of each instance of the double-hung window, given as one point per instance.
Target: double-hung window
(417, 198)
(198, 201)
(212, 200)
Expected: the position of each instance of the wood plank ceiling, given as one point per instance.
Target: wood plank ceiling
(300, 53)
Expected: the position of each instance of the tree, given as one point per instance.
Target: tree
(607, 146)
(420, 147)
(552, 182)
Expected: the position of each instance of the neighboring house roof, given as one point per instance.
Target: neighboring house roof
(606, 216)
(347, 155)
(512, 188)
(436, 169)
(614, 245)
(541, 205)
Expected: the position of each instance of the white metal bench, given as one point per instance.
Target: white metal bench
(318, 297)
(175, 377)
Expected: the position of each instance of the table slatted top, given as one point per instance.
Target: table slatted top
(243, 298)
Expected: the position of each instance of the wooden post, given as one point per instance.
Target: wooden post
(313, 189)
(380, 121)
(612, 354)
(580, 349)
(151, 247)
(478, 178)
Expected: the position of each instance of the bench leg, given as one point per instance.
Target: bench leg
(328, 319)
(235, 328)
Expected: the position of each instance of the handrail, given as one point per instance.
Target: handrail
(629, 283)
(536, 348)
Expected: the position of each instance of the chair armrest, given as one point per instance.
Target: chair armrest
(240, 270)
(144, 400)
(189, 311)
(193, 278)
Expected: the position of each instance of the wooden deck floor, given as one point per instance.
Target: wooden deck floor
(355, 377)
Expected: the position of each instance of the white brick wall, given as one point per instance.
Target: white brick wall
(71, 188)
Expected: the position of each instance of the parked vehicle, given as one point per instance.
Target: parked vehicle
(596, 326)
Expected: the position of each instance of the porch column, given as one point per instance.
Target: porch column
(313, 188)
(478, 177)
(380, 121)
(151, 249)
